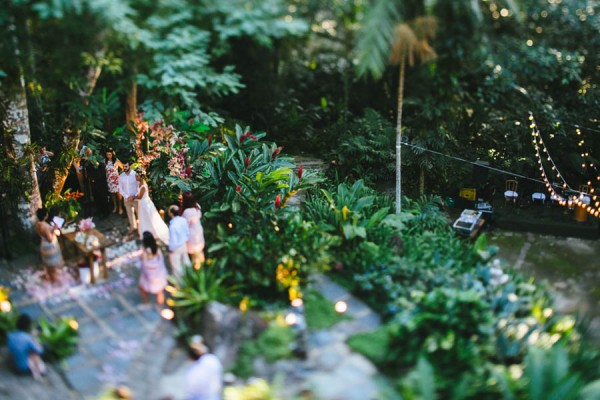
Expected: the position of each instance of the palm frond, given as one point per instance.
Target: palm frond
(375, 38)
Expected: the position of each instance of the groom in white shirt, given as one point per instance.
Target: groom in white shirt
(128, 187)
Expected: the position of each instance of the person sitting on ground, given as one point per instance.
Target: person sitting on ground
(204, 378)
(24, 351)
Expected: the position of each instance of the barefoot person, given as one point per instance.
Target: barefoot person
(52, 258)
(24, 351)
(179, 234)
(153, 277)
(128, 187)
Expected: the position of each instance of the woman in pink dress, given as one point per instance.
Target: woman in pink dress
(192, 213)
(153, 277)
(112, 165)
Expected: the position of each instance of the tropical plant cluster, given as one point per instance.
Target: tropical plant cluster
(450, 304)
(58, 337)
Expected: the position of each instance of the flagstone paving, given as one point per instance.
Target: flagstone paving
(122, 341)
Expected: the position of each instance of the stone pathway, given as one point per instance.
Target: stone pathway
(122, 342)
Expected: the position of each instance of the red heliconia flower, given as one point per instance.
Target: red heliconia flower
(300, 171)
(278, 201)
(276, 152)
(209, 140)
(247, 135)
(244, 137)
(247, 161)
(188, 171)
(238, 188)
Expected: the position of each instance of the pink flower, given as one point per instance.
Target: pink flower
(86, 224)
(278, 201)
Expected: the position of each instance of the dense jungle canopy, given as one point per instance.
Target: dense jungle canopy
(314, 75)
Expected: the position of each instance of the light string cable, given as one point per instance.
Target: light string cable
(581, 200)
(537, 143)
(585, 154)
(414, 146)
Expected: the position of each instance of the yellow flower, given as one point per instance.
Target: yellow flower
(244, 304)
(345, 212)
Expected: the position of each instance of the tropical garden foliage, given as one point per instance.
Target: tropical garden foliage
(368, 87)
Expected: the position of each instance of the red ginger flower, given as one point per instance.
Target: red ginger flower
(238, 188)
(209, 140)
(276, 152)
(247, 135)
(278, 201)
(300, 171)
(247, 161)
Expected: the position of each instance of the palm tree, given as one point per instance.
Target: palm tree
(410, 42)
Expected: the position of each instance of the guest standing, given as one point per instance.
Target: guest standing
(128, 188)
(112, 165)
(153, 277)
(52, 258)
(204, 378)
(195, 244)
(24, 351)
(179, 234)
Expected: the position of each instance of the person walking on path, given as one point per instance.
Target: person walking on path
(52, 258)
(128, 187)
(179, 234)
(195, 244)
(153, 278)
(204, 378)
(24, 351)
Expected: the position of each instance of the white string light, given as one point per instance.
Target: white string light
(586, 155)
(592, 208)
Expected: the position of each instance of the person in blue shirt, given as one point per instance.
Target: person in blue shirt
(24, 351)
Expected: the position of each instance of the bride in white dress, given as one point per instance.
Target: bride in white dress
(148, 217)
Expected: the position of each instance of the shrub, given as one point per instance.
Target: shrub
(196, 288)
(59, 338)
(275, 343)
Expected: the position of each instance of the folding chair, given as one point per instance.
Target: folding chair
(510, 192)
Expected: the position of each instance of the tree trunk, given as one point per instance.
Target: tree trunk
(421, 181)
(131, 106)
(72, 140)
(399, 137)
(17, 124)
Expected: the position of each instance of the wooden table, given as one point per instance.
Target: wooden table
(88, 253)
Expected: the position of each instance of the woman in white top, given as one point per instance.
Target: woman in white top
(148, 217)
(195, 244)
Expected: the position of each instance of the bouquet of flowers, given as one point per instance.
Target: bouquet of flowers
(86, 224)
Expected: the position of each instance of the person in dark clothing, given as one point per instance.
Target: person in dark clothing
(95, 180)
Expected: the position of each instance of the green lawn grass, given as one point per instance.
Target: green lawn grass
(319, 311)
